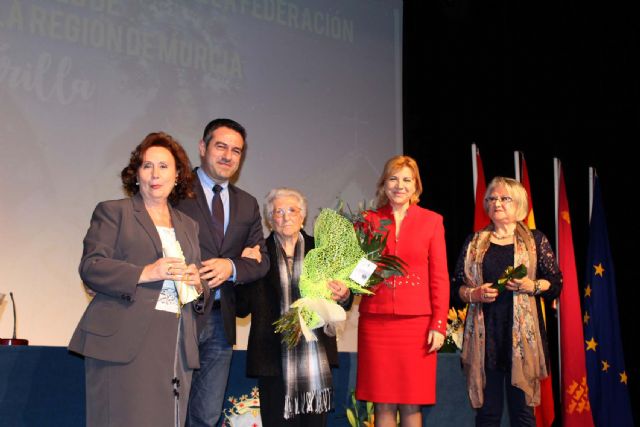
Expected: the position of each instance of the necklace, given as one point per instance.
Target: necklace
(497, 236)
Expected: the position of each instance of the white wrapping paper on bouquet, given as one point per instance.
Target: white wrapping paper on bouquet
(329, 314)
(186, 293)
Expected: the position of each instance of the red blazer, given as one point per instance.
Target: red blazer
(424, 290)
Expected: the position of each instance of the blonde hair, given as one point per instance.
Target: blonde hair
(392, 166)
(516, 191)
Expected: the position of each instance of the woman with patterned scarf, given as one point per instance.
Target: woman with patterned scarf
(295, 383)
(504, 337)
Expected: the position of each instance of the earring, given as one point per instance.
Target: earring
(137, 183)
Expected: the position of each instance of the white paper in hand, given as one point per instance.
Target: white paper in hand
(186, 293)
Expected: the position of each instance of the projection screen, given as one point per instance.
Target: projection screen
(317, 84)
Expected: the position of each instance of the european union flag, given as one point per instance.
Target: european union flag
(606, 374)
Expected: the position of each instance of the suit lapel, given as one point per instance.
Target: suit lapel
(181, 235)
(142, 216)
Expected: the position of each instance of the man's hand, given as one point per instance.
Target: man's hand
(216, 271)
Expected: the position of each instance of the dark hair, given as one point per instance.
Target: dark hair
(184, 181)
(220, 123)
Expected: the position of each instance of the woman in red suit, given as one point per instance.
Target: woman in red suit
(403, 325)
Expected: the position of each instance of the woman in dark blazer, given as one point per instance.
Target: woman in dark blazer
(295, 384)
(137, 335)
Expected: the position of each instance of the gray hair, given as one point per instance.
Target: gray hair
(276, 193)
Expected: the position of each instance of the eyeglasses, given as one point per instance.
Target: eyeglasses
(503, 199)
(290, 211)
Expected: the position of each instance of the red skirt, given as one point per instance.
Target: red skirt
(393, 363)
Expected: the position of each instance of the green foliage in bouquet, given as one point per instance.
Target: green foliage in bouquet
(289, 324)
(510, 273)
(336, 254)
(373, 242)
(342, 240)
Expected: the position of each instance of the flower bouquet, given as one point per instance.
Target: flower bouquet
(455, 330)
(344, 252)
(510, 273)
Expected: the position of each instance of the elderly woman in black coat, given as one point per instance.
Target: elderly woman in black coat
(295, 383)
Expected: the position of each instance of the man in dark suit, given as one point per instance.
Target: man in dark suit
(229, 221)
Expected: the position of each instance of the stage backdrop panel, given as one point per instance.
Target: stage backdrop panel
(317, 85)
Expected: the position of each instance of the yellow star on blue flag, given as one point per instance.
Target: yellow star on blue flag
(599, 270)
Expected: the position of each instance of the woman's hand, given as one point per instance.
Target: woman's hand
(339, 291)
(252, 253)
(435, 340)
(163, 269)
(485, 294)
(524, 285)
(527, 286)
(191, 277)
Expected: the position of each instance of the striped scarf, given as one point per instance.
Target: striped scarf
(305, 367)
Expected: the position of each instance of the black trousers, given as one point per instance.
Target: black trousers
(272, 407)
(490, 414)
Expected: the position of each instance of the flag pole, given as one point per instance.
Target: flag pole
(474, 167)
(556, 197)
(592, 173)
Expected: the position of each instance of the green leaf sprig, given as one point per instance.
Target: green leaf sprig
(509, 274)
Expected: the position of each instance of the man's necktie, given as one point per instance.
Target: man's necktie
(217, 213)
